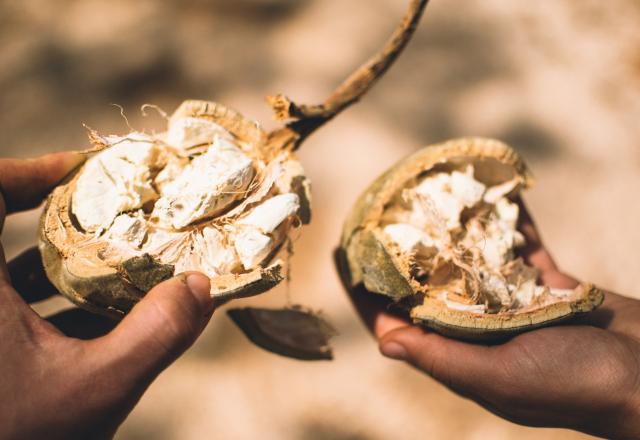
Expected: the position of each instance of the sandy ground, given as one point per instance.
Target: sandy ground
(559, 79)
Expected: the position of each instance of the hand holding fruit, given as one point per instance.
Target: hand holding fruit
(583, 376)
(56, 386)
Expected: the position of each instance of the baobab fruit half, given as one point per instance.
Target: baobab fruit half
(207, 195)
(214, 193)
(438, 234)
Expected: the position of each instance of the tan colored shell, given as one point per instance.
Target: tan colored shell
(114, 290)
(370, 258)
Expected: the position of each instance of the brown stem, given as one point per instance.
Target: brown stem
(304, 119)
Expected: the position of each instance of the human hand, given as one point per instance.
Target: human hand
(55, 385)
(584, 376)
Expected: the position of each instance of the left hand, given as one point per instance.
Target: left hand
(55, 385)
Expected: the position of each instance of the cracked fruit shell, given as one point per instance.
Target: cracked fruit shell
(438, 234)
(211, 194)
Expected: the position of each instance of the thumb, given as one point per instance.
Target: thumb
(25, 182)
(463, 367)
(159, 328)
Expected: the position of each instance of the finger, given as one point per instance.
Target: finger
(535, 254)
(11, 305)
(14, 312)
(533, 251)
(526, 224)
(158, 329)
(25, 182)
(78, 323)
(618, 313)
(554, 278)
(375, 311)
(5, 278)
(463, 367)
(29, 278)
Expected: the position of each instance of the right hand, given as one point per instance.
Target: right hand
(584, 376)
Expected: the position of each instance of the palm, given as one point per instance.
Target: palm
(580, 376)
(563, 376)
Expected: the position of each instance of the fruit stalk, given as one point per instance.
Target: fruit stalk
(305, 119)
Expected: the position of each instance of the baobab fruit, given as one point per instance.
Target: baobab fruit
(214, 193)
(200, 197)
(438, 233)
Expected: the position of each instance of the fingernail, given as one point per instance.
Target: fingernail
(200, 287)
(393, 350)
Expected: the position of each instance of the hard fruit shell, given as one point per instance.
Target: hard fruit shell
(470, 326)
(370, 258)
(113, 291)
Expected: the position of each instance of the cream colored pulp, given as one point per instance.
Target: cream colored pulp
(193, 197)
(461, 237)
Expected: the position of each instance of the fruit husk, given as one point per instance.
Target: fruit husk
(373, 260)
(291, 332)
(78, 273)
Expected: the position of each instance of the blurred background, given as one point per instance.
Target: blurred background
(560, 80)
